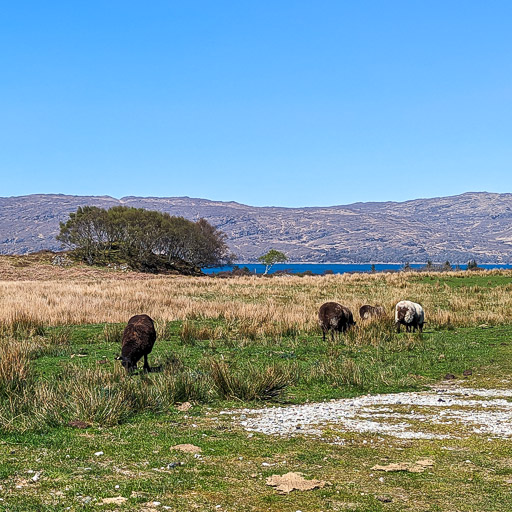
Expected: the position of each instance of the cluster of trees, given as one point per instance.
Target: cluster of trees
(146, 240)
(444, 267)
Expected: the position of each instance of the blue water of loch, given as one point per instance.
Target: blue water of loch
(337, 268)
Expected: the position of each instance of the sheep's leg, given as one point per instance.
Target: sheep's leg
(146, 364)
(397, 326)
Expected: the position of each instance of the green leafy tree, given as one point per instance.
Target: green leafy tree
(271, 258)
(144, 239)
(472, 265)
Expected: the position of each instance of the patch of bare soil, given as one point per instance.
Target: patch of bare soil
(291, 481)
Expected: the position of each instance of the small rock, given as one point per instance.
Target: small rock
(384, 499)
(449, 376)
(466, 373)
(98, 454)
(36, 477)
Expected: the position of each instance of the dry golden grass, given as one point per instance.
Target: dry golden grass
(14, 364)
(252, 306)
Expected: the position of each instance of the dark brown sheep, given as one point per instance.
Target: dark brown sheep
(366, 312)
(138, 339)
(334, 317)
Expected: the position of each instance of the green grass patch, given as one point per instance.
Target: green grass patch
(467, 280)
(70, 373)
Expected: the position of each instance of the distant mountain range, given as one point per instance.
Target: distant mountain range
(475, 225)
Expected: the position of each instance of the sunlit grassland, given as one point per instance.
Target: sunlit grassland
(227, 344)
(267, 306)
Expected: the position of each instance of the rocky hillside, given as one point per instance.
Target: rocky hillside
(457, 228)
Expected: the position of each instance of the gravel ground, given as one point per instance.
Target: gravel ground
(439, 413)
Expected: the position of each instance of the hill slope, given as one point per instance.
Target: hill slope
(458, 228)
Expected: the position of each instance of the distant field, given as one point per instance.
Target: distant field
(229, 344)
(81, 295)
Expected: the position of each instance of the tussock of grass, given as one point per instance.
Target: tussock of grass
(113, 333)
(14, 365)
(104, 397)
(370, 333)
(163, 329)
(249, 382)
(192, 331)
(20, 324)
(59, 336)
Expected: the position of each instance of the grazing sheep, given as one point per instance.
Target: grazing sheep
(138, 339)
(335, 318)
(366, 312)
(409, 314)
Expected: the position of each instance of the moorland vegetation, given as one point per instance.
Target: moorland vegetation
(229, 343)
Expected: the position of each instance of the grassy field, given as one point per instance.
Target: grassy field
(228, 344)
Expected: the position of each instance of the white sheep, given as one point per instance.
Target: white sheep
(409, 314)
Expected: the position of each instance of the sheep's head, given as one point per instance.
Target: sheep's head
(127, 364)
(403, 314)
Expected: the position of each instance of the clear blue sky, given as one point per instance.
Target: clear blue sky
(292, 103)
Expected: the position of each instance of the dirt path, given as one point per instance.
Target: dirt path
(440, 413)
